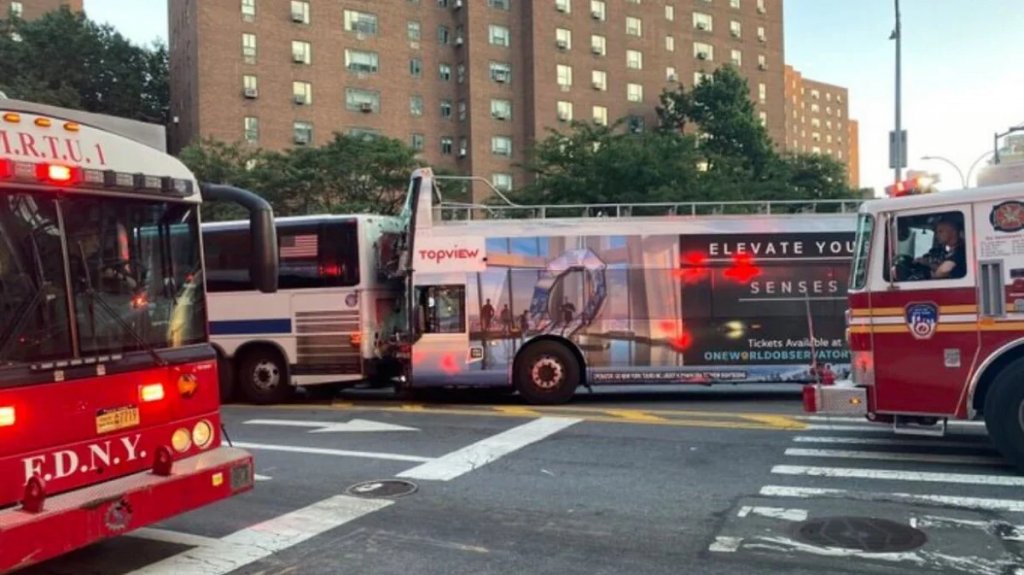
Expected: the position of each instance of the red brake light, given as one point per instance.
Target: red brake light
(152, 392)
(6, 416)
(6, 169)
(58, 174)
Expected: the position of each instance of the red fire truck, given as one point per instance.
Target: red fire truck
(109, 413)
(935, 322)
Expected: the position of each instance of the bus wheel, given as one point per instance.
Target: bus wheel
(547, 373)
(226, 378)
(263, 377)
(1004, 412)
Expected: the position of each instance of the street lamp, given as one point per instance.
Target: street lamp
(963, 181)
(976, 162)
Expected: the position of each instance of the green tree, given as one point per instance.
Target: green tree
(65, 59)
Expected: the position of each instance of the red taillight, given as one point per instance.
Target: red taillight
(6, 169)
(152, 392)
(6, 416)
(58, 174)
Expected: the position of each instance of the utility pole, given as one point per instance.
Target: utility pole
(897, 139)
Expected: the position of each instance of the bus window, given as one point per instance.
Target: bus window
(228, 258)
(339, 254)
(442, 309)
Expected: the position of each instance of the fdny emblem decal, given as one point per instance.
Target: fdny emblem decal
(922, 318)
(1007, 216)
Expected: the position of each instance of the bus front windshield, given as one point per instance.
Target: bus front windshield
(132, 269)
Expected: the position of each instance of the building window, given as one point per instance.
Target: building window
(248, 9)
(634, 59)
(634, 26)
(564, 75)
(360, 100)
(415, 67)
(462, 110)
(735, 29)
(500, 35)
(670, 43)
(564, 110)
(447, 143)
(501, 72)
(563, 6)
(634, 92)
(760, 7)
(734, 4)
(301, 52)
(501, 109)
(737, 58)
(762, 62)
(815, 122)
(597, 10)
(601, 115)
(763, 117)
(702, 21)
(252, 129)
(417, 142)
(762, 92)
(413, 31)
(443, 34)
(598, 45)
(703, 51)
(460, 73)
(599, 79)
(302, 93)
(446, 109)
(670, 13)
(501, 146)
(300, 12)
(670, 74)
(249, 48)
(444, 72)
(416, 106)
(815, 108)
(636, 124)
(361, 62)
(563, 39)
(502, 182)
(362, 23)
(249, 86)
(699, 77)
(302, 133)
(502, 4)
(760, 34)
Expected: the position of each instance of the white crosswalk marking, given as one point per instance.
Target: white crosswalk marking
(893, 475)
(887, 442)
(895, 456)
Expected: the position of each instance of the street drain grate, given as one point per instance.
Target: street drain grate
(382, 488)
(863, 533)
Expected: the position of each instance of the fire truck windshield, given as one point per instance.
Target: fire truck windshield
(132, 269)
(859, 275)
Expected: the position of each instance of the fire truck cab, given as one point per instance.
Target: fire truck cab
(935, 321)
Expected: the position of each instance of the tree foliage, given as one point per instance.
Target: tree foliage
(350, 174)
(709, 146)
(65, 59)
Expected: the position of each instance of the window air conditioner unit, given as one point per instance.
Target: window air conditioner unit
(702, 26)
(458, 40)
(596, 15)
(762, 67)
(500, 116)
(300, 100)
(562, 44)
(366, 107)
(702, 55)
(250, 93)
(298, 57)
(673, 77)
(761, 10)
(457, 5)
(500, 77)
(596, 50)
(735, 34)
(560, 7)
(462, 152)
(298, 16)
(563, 117)
(598, 85)
(301, 139)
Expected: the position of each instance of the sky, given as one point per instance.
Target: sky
(962, 80)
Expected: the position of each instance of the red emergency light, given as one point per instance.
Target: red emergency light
(6, 169)
(58, 174)
(743, 269)
(908, 187)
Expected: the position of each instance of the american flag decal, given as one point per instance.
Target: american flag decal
(303, 246)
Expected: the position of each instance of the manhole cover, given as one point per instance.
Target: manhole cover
(863, 533)
(382, 488)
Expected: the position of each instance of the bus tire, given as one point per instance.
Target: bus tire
(226, 379)
(1004, 413)
(263, 376)
(546, 373)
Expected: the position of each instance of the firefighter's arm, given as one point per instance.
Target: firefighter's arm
(944, 269)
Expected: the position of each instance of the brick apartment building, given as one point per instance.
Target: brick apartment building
(818, 121)
(32, 9)
(469, 83)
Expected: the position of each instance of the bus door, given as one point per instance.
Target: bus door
(441, 348)
(926, 302)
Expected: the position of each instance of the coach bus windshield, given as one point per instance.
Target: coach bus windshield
(132, 268)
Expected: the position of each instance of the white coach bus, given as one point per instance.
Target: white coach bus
(325, 324)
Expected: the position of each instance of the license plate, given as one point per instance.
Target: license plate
(108, 420)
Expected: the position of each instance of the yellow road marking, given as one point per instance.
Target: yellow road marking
(634, 415)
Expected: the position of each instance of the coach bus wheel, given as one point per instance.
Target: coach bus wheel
(547, 373)
(1004, 412)
(263, 377)
(226, 377)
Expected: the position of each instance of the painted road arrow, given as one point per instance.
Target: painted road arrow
(356, 425)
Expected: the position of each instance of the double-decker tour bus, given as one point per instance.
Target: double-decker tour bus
(109, 411)
(324, 327)
(936, 315)
(532, 298)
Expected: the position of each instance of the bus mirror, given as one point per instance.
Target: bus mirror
(264, 269)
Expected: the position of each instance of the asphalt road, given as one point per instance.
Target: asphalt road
(651, 480)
